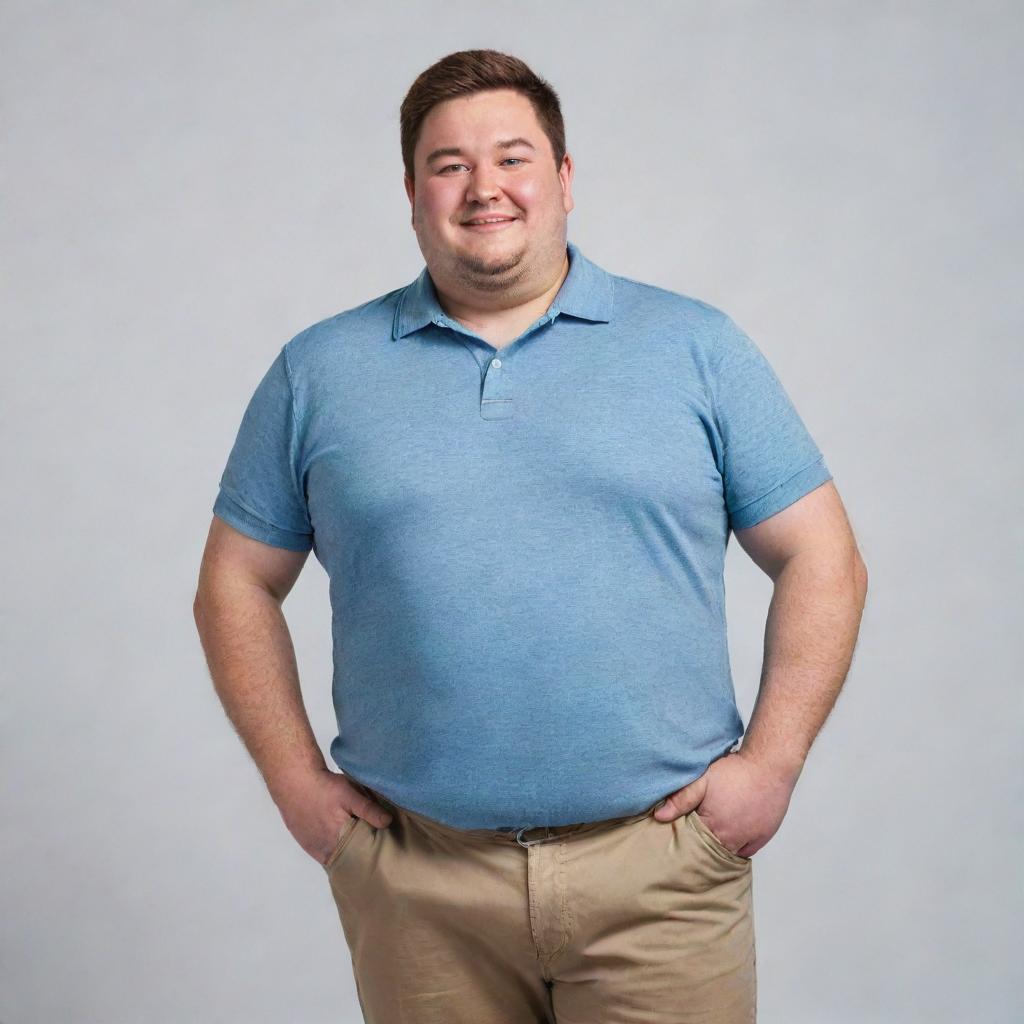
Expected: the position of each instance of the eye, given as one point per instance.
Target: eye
(514, 159)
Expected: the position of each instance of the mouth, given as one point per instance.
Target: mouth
(489, 223)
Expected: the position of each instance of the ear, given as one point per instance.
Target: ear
(410, 191)
(565, 175)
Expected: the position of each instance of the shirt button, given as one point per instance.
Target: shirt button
(495, 362)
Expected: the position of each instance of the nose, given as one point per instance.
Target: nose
(482, 186)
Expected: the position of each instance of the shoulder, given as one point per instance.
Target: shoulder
(674, 315)
(333, 336)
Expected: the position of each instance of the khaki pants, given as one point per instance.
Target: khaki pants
(625, 920)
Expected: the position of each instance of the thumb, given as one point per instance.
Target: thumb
(682, 801)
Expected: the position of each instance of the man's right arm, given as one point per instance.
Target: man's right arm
(251, 658)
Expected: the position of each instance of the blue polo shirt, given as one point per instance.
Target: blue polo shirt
(525, 545)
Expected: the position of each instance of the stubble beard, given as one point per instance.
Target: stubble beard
(493, 275)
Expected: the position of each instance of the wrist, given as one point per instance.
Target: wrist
(284, 781)
(785, 766)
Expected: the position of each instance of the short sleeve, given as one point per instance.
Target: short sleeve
(260, 490)
(768, 458)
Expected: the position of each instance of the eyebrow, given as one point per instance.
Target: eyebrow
(455, 151)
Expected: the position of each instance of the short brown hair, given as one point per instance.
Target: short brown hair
(471, 71)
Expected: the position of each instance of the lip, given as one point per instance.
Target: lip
(495, 226)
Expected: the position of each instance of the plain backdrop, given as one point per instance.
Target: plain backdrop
(187, 185)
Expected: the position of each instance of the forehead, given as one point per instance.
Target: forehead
(480, 119)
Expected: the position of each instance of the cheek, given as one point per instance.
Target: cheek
(535, 194)
(528, 192)
(435, 205)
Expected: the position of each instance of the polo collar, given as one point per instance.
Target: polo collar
(586, 293)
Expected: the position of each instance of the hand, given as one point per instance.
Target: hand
(316, 806)
(742, 801)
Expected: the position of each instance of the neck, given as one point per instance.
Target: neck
(508, 307)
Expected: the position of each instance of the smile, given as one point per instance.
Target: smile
(489, 224)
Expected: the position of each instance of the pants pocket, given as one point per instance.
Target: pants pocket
(346, 833)
(701, 827)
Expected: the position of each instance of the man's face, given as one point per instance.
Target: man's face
(487, 179)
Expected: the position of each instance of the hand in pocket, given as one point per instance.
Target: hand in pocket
(319, 810)
(739, 801)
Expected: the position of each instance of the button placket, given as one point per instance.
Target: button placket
(496, 394)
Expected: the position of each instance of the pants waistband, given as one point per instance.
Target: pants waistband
(526, 835)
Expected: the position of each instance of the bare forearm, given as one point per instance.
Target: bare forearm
(251, 659)
(810, 635)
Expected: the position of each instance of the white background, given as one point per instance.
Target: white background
(187, 185)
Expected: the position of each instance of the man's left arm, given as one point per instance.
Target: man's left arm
(820, 584)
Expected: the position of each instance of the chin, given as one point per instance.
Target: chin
(499, 263)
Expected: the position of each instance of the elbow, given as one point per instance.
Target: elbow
(200, 608)
(860, 576)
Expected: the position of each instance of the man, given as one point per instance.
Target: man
(520, 472)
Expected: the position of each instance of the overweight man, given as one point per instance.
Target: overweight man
(520, 472)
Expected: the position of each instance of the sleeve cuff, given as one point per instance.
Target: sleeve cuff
(236, 515)
(781, 496)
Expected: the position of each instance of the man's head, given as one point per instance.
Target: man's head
(482, 136)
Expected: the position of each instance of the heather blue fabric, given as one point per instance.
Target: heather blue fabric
(525, 545)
